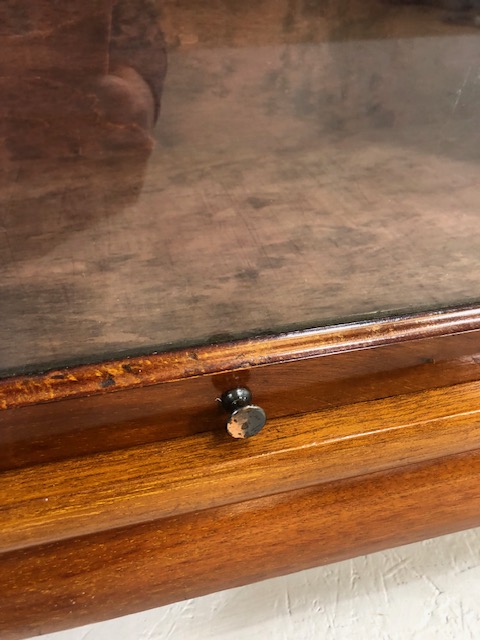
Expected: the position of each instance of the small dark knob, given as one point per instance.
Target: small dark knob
(246, 419)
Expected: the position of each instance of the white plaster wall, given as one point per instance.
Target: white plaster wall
(423, 591)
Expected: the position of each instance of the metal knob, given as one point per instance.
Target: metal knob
(246, 419)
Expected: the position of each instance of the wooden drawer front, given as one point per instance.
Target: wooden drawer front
(114, 405)
(82, 496)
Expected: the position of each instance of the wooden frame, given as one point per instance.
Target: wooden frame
(121, 491)
(133, 401)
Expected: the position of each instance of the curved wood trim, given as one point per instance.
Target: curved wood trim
(79, 497)
(129, 373)
(113, 573)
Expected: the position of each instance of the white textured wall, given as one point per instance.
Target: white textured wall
(424, 591)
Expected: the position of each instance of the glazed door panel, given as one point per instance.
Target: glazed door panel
(182, 173)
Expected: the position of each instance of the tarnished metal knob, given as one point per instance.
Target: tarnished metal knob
(246, 419)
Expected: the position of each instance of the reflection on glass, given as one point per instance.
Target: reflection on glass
(298, 163)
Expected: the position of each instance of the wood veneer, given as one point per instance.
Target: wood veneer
(128, 373)
(77, 581)
(76, 497)
(135, 401)
(369, 407)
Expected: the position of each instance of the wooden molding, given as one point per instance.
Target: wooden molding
(397, 357)
(113, 573)
(129, 373)
(77, 497)
(129, 495)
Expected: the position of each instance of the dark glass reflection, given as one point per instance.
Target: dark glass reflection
(300, 162)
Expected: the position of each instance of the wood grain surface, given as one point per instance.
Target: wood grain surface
(128, 373)
(77, 497)
(118, 572)
(288, 375)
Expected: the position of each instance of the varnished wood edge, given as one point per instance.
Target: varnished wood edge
(128, 373)
(76, 581)
(77, 497)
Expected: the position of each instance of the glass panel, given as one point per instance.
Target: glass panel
(182, 172)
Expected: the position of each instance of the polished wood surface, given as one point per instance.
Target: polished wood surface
(129, 373)
(125, 570)
(289, 375)
(54, 501)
